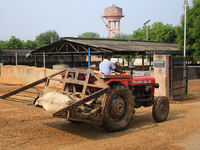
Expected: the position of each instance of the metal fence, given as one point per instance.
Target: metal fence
(178, 77)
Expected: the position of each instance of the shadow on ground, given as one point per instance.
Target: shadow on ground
(142, 120)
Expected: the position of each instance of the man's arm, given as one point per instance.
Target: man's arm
(120, 71)
(116, 69)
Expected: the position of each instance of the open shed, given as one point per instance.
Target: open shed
(80, 46)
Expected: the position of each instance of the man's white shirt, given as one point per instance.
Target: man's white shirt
(106, 67)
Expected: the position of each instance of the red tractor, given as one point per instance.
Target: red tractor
(126, 92)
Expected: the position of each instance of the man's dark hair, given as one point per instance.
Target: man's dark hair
(106, 55)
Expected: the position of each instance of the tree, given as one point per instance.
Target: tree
(13, 43)
(193, 31)
(89, 35)
(30, 44)
(1, 44)
(140, 34)
(1, 52)
(123, 36)
(157, 32)
(162, 33)
(47, 37)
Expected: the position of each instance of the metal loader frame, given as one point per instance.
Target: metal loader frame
(71, 79)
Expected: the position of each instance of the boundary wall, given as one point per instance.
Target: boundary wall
(193, 72)
(29, 74)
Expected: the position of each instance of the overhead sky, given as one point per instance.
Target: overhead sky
(25, 19)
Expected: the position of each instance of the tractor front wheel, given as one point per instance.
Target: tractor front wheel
(119, 108)
(160, 109)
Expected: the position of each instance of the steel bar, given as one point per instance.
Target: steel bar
(73, 47)
(181, 87)
(23, 88)
(28, 86)
(84, 48)
(61, 47)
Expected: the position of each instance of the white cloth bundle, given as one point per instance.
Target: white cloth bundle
(54, 101)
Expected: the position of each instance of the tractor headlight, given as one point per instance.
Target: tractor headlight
(156, 85)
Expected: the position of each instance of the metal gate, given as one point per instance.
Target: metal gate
(178, 77)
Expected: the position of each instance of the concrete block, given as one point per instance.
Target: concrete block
(29, 74)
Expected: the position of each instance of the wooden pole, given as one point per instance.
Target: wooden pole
(128, 60)
(150, 59)
(142, 62)
(88, 58)
(35, 60)
(44, 60)
(122, 63)
(16, 59)
(72, 60)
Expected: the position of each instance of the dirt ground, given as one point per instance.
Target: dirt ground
(24, 126)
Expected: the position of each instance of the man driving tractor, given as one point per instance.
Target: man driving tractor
(106, 66)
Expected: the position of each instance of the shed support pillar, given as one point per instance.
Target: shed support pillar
(35, 60)
(72, 57)
(128, 60)
(142, 62)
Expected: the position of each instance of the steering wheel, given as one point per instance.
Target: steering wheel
(114, 73)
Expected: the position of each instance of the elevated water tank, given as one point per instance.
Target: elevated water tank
(113, 11)
(113, 16)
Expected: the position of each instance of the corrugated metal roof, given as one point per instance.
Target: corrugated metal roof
(125, 45)
(80, 45)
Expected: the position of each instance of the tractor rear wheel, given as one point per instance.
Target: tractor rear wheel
(119, 108)
(160, 109)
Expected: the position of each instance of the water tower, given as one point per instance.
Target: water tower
(113, 15)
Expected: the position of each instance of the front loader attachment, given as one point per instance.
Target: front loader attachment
(88, 90)
(91, 92)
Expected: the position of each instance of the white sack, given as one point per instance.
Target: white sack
(54, 101)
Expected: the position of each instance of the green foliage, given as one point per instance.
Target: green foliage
(45, 38)
(42, 39)
(140, 34)
(131, 57)
(13, 43)
(16, 43)
(123, 36)
(61, 62)
(89, 35)
(193, 31)
(162, 33)
(30, 44)
(1, 44)
(157, 32)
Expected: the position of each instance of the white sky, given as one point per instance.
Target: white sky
(25, 19)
